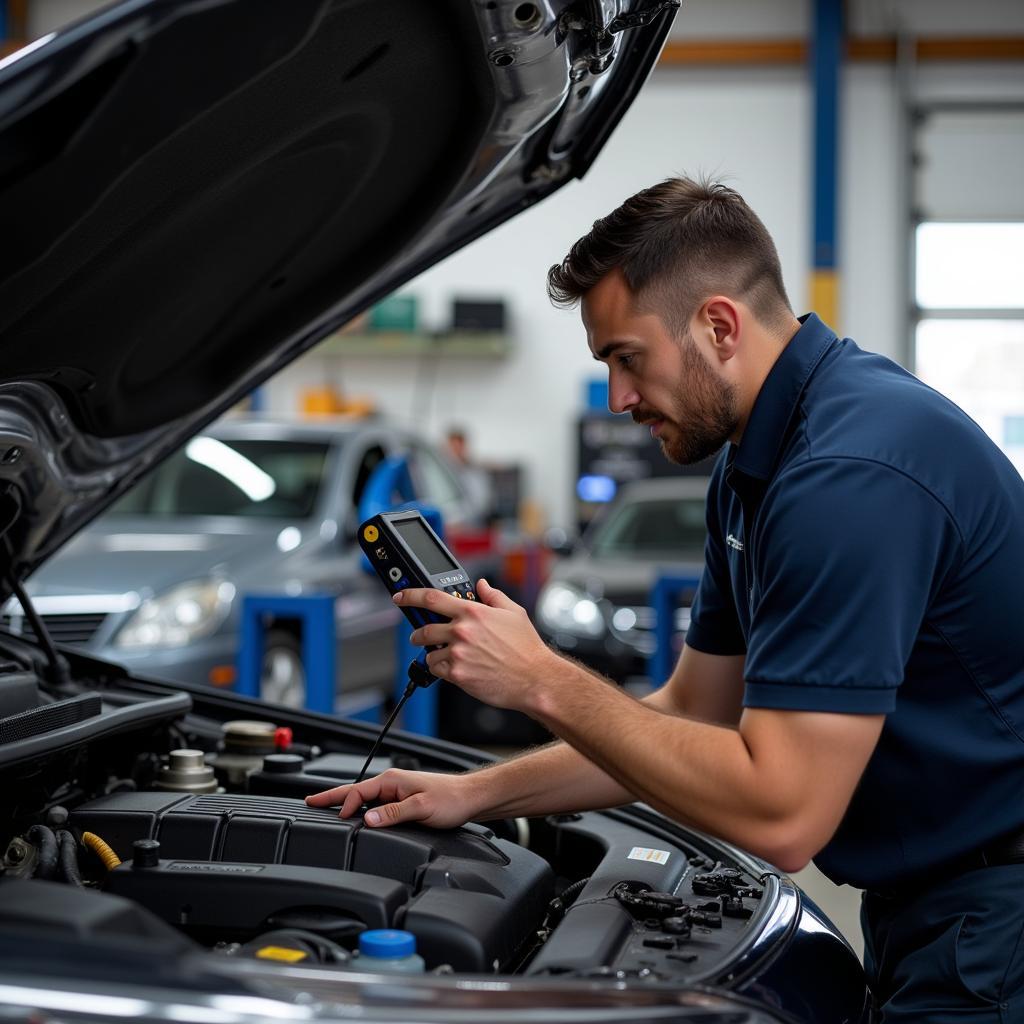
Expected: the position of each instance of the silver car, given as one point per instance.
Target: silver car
(261, 507)
(596, 604)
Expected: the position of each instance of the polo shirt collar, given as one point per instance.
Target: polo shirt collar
(758, 451)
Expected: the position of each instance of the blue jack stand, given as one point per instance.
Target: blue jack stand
(316, 613)
(663, 600)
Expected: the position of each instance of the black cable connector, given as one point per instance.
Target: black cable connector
(419, 675)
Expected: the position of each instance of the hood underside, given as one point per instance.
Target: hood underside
(194, 193)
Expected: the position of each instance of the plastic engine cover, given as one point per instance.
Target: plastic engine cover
(229, 863)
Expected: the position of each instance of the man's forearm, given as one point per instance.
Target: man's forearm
(548, 780)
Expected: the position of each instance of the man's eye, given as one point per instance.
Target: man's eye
(625, 361)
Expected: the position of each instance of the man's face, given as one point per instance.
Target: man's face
(660, 379)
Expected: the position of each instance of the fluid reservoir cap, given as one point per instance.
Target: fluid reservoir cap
(387, 943)
(145, 853)
(283, 764)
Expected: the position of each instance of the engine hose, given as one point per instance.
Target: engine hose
(570, 892)
(561, 903)
(69, 857)
(43, 838)
(101, 849)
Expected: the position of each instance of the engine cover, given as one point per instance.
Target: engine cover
(227, 864)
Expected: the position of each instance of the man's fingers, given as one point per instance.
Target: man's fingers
(353, 801)
(437, 634)
(410, 809)
(494, 597)
(350, 796)
(328, 797)
(426, 597)
(438, 662)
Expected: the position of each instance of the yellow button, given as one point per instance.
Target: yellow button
(470, 596)
(371, 533)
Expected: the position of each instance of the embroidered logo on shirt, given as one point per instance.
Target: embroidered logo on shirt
(733, 542)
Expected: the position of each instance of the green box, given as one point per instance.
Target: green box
(395, 313)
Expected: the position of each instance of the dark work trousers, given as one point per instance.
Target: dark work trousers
(952, 952)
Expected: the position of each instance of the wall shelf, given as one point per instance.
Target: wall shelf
(489, 345)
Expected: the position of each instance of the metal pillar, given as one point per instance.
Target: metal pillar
(826, 66)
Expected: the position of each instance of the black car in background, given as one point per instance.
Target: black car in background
(193, 193)
(596, 604)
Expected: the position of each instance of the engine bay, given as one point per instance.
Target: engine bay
(153, 813)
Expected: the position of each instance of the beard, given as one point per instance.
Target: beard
(704, 411)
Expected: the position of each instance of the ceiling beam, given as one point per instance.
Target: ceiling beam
(679, 53)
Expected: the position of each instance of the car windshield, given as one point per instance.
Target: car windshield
(212, 477)
(657, 528)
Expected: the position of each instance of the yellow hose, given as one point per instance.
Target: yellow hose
(100, 848)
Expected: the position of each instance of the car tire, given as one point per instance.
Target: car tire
(282, 672)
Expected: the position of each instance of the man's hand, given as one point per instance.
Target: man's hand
(441, 801)
(490, 648)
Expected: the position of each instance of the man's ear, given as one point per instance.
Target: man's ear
(721, 321)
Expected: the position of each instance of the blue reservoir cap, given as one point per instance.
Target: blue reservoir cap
(387, 942)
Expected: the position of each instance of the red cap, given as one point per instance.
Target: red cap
(282, 737)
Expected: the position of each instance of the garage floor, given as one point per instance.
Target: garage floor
(840, 903)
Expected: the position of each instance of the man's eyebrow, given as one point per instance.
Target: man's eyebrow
(608, 349)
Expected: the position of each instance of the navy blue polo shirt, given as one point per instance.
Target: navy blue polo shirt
(866, 553)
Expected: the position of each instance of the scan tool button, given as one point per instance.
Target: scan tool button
(394, 574)
(370, 534)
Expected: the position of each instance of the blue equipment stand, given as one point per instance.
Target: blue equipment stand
(316, 613)
(666, 589)
(390, 489)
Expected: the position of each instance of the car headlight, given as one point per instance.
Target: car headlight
(565, 609)
(185, 613)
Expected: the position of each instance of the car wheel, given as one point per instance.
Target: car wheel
(283, 675)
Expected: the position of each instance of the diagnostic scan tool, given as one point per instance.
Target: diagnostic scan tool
(405, 552)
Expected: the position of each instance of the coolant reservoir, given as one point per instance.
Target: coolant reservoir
(389, 951)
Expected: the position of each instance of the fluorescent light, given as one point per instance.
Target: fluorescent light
(233, 466)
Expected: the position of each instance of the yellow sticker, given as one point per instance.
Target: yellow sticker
(288, 956)
(371, 533)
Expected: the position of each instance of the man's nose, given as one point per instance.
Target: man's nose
(622, 396)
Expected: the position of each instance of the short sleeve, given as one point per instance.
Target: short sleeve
(714, 625)
(847, 556)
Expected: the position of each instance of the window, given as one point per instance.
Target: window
(210, 477)
(659, 529)
(969, 266)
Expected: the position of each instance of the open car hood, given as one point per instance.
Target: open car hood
(194, 192)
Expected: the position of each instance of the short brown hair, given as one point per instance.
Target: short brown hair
(676, 243)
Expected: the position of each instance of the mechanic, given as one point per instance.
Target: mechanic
(851, 688)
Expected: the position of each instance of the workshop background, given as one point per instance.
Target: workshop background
(882, 143)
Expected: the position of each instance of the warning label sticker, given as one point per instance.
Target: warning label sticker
(643, 853)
